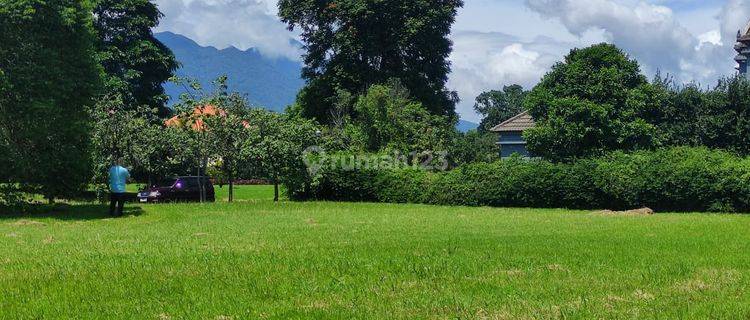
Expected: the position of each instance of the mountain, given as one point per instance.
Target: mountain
(466, 126)
(272, 83)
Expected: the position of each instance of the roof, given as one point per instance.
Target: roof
(744, 33)
(518, 123)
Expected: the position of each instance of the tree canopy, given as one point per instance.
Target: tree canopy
(391, 121)
(48, 75)
(135, 62)
(497, 106)
(353, 44)
(596, 100)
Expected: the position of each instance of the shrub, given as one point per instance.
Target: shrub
(677, 179)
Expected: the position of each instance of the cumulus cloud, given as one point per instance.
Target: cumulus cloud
(650, 33)
(485, 58)
(223, 23)
(733, 16)
(485, 61)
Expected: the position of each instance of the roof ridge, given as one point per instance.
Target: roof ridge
(498, 127)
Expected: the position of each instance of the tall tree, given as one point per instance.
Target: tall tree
(497, 106)
(354, 44)
(49, 75)
(595, 101)
(136, 63)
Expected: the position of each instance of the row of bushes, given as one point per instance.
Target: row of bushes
(678, 179)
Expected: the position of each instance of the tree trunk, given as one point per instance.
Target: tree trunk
(275, 187)
(231, 187)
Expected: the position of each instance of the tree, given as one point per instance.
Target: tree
(392, 121)
(715, 118)
(595, 101)
(228, 134)
(136, 136)
(135, 62)
(353, 44)
(474, 146)
(277, 144)
(49, 76)
(498, 106)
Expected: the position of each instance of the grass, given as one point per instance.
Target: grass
(258, 259)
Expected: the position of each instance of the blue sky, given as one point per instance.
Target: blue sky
(502, 42)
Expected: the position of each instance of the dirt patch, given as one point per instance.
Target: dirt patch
(642, 295)
(49, 240)
(709, 280)
(311, 222)
(635, 212)
(24, 222)
(512, 272)
(317, 305)
(200, 234)
(556, 267)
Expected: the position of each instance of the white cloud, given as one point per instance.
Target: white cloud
(648, 32)
(223, 23)
(733, 16)
(651, 32)
(712, 37)
(502, 42)
(486, 61)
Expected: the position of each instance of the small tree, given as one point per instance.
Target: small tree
(214, 126)
(228, 134)
(277, 144)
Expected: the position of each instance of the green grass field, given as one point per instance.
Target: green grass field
(258, 259)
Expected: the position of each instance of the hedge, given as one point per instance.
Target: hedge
(678, 179)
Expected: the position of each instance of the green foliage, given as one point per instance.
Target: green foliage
(474, 146)
(277, 145)
(677, 179)
(137, 137)
(716, 118)
(595, 101)
(48, 75)
(498, 106)
(353, 44)
(135, 62)
(391, 121)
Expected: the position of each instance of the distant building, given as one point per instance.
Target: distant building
(743, 49)
(511, 135)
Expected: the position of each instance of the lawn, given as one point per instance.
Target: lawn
(257, 259)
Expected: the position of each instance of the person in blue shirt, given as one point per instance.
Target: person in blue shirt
(118, 178)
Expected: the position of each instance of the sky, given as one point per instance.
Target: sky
(504, 42)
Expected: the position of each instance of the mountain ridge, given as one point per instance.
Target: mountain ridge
(271, 83)
(268, 82)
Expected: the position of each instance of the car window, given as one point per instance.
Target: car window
(206, 181)
(191, 182)
(166, 183)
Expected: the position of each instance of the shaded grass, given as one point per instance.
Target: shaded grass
(258, 259)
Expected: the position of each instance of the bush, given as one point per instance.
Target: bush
(678, 179)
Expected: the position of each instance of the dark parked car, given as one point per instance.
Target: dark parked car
(178, 189)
